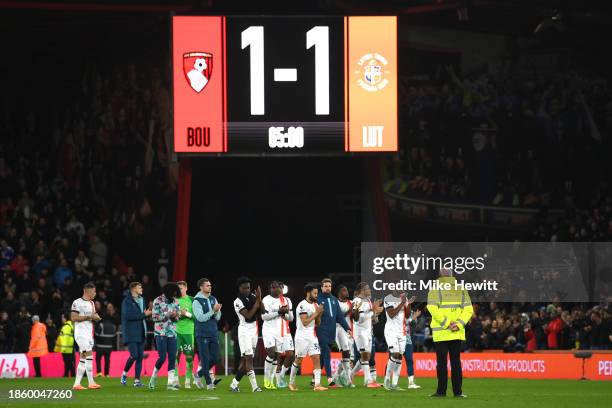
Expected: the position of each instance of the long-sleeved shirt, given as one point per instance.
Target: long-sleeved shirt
(164, 322)
(205, 317)
(275, 324)
(332, 315)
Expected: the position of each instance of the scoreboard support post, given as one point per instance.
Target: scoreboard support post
(183, 206)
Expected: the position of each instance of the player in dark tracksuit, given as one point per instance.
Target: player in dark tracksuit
(326, 331)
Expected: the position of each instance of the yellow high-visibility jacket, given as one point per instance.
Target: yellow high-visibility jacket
(65, 340)
(448, 306)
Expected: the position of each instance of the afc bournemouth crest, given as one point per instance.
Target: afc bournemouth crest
(371, 72)
(197, 67)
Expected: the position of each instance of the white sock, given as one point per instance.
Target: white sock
(234, 382)
(89, 370)
(338, 373)
(373, 374)
(397, 371)
(281, 374)
(267, 369)
(390, 369)
(170, 377)
(155, 370)
(293, 373)
(124, 373)
(79, 372)
(365, 367)
(317, 377)
(346, 364)
(273, 371)
(252, 379)
(411, 379)
(211, 372)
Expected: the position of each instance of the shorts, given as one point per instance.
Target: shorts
(307, 346)
(247, 343)
(343, 340)
(85, 343)
(363, 341)
(396, 343)
(184, 344)
(282, 344)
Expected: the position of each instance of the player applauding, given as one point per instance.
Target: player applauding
(364, 310)
(276, 314)
(166, 312)
(395, 336)
(246, 306)
(344, 340)
(306, 343)
(83, 314)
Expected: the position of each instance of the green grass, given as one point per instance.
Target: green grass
(489, 393)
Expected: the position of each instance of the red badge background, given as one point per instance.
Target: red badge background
(207, 108)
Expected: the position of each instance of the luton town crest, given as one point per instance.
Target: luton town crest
(197, 67)
(371, 71)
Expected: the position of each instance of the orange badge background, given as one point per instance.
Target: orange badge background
(371, 35)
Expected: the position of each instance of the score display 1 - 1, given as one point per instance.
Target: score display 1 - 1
(284, 85)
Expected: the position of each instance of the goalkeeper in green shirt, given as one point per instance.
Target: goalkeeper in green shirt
(184, 333)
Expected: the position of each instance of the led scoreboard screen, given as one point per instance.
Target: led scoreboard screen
(284, 85)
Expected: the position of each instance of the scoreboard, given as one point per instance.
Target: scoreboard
(315, 85)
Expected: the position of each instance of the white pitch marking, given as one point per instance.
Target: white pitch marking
(285, 74)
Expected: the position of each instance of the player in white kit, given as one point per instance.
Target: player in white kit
(363, 311)
(83, 314)
(276, 315)
(395, 336)
(343, 340)
(306, 343)
(247, 306)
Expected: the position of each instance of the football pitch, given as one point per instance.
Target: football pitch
(481, 393)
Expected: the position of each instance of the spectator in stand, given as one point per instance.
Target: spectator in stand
(81, 260)
(98, 252)
(147, 287)
(111, 313)
(600, 332)
(33, 303)
(7, 253)
(76, 227)
(23, 331)
(105, 335)
(9, 303)
(474, 334)
(62, 273)
(530, 338)
(552, 330)
(18, 265)
(41, 264)
(38, 343)
(52, 333)
(7, 333)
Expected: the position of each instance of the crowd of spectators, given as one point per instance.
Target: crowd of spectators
(80, 194)
(519, 139)
(516, 328)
